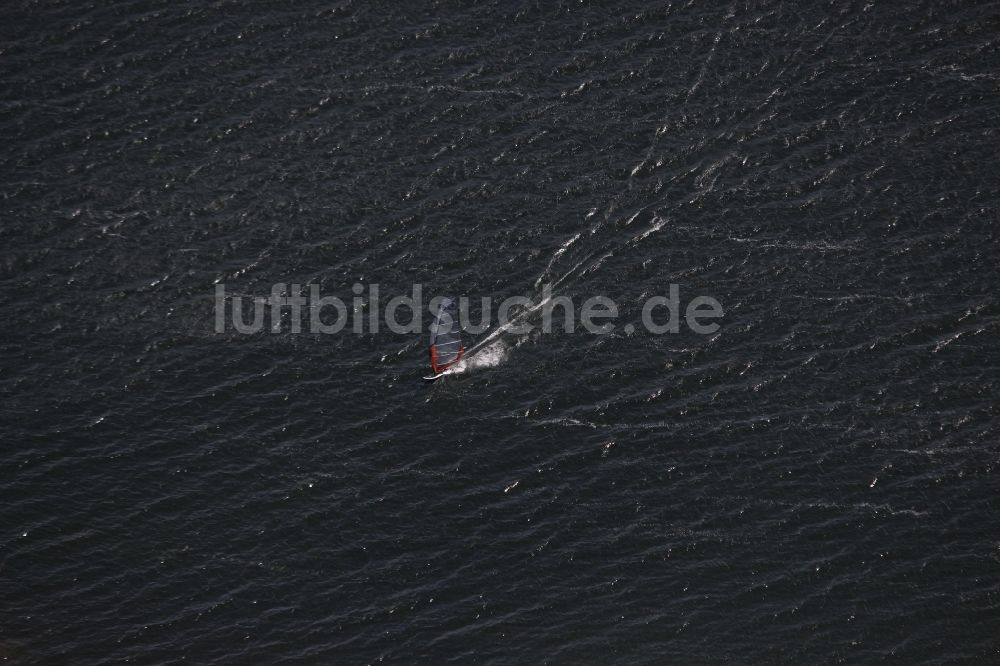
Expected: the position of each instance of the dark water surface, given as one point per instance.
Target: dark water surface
(817, 482)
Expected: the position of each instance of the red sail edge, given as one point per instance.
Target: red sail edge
(439, 368)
